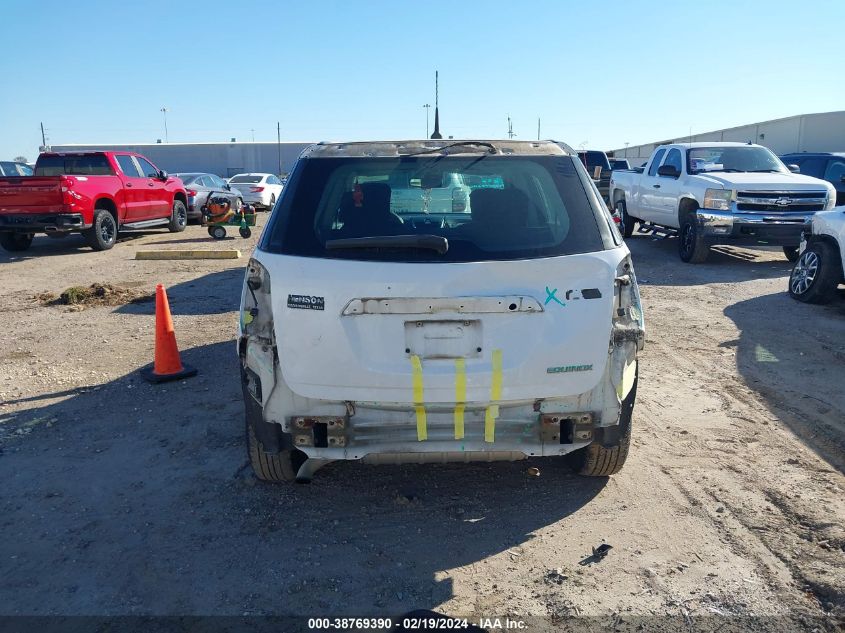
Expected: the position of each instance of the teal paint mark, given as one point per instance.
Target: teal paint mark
(551, 295)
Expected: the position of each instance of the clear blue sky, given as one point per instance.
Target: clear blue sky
(605, 72)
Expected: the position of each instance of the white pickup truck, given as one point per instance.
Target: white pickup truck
(716, 193)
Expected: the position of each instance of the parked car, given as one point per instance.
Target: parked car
(717, 193)
(825, 165)
(14, 168)
(93, 193)
(819, 269)
(598, 166)
(261, 190)
(506, 330)
(199, 186)
(619, 163)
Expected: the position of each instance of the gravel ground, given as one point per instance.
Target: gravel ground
(124, 498)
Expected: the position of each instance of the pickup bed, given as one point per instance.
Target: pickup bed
(716, 193)
(93, 193)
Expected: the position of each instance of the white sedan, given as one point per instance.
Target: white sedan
(261, 190)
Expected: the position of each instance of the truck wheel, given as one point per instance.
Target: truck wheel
(691, 245)
(627, 221)
(273, 467)
(816, 274)
(791, 253)
(103, 233)
(600, 459)
(15, 242)
(178, 218)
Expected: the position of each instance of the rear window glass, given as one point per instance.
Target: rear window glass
(9, 168)
(86, 165)
(487, 208)
(246, 179)
(594, 159)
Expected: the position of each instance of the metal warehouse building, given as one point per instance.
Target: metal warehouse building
(824, 132)
(223, 159)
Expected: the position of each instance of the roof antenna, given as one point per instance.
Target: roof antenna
(436, 134)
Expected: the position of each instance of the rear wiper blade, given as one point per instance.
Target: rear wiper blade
(434, 150)
(434, 242)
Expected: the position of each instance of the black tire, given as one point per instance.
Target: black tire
(245, 232)
(601, 459)
(692, 248)
(16, 242)
(816, 274)
(103, 233)
(272, 202)
(178, 217)
(627, 222)
(278, 467)
(217, 232)
(791, 253)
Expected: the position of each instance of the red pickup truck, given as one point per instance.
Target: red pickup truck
(95, 193)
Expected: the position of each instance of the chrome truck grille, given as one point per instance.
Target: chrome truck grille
(780, 201)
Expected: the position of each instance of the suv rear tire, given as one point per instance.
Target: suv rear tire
(601, 459)
(278, 467)
(103, 232)
(178, 217)
(816, 274)
(692, 248)
(15, 242)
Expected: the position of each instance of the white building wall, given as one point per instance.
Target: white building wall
(223, 159)
(823, 132)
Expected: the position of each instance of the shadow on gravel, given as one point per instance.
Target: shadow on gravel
(43, 246)
(793, 355)
(137, 499)
(657, 263)
(214, 293)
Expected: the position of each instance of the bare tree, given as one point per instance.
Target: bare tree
(20, 159)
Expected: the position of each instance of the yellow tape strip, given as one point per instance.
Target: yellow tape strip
(492, 411)
(460, 396)
(416, 369)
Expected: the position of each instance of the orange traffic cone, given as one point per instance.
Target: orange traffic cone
(167, 365)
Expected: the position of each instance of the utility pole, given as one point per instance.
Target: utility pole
(164, 111)
(510, 128)
(427, 107)
(43, 137)
(252, 129)
(279, 145)
(538, 128)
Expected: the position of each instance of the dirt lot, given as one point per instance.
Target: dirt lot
(119, 497)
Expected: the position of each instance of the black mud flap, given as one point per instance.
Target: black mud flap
(271, 436)
(609, 436)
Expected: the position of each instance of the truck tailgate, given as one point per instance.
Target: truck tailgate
(30, 194)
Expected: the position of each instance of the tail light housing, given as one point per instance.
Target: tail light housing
(256, 189)
(67, 184)
(191, 193)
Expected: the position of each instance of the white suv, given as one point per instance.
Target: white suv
(818, 271)
(503, 330)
